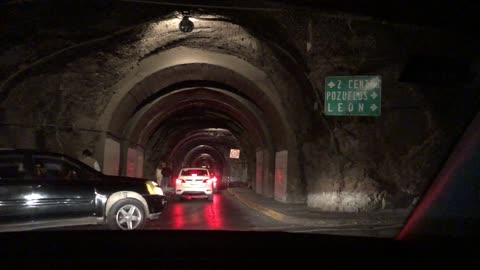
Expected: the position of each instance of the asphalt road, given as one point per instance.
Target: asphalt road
(227, 213)
(224, 213)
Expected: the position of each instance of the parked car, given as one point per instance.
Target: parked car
(194, 183)
(43, 189)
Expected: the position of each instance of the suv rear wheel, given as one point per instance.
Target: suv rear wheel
(126, 214)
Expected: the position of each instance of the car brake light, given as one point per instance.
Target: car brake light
(180, 181)
(212, 180)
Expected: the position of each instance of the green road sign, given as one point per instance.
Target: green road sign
(353, 95)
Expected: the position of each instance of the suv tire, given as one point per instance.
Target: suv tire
(126, 214)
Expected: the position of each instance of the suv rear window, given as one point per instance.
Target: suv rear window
(192, 172)
(11, 167)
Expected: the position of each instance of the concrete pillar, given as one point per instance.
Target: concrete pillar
(139, 162)
(259, 172)
(131, 161)
(111, 157)
(124, 145)
(268, 178)
(251, 170)
(236, 170)
(281, 175)
(295, 188)
(244, 171)
(226, 171)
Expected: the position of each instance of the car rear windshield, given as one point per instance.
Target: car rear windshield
(192, 172)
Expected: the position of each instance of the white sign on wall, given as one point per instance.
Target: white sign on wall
(234, 153)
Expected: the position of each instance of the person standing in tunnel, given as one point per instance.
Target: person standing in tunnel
(89, 160)
(159, 175)
(166, 173)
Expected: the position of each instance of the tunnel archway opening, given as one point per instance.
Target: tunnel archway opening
(201, 144)
(176, 123)
(166, 95)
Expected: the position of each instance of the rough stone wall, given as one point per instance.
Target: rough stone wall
(365, 163)
(54, 102)
(71, 90)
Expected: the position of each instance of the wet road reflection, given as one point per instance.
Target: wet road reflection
(213, 214)
(177, 212)
(224, 213)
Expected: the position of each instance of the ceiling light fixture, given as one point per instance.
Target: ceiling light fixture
(186, 25)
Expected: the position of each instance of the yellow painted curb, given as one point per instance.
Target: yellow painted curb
(299, 221)
(275, 214)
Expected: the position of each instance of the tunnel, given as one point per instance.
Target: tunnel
(149, 92)
(189, 102)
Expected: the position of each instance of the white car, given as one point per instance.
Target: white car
(194, 183)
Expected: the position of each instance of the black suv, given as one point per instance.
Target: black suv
(43, 189)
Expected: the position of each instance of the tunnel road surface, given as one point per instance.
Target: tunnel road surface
(227, 213)
(224, 213)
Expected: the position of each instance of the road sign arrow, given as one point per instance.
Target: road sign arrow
(373, 83)
(373, 107)
(331, 85)
(374, 95)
